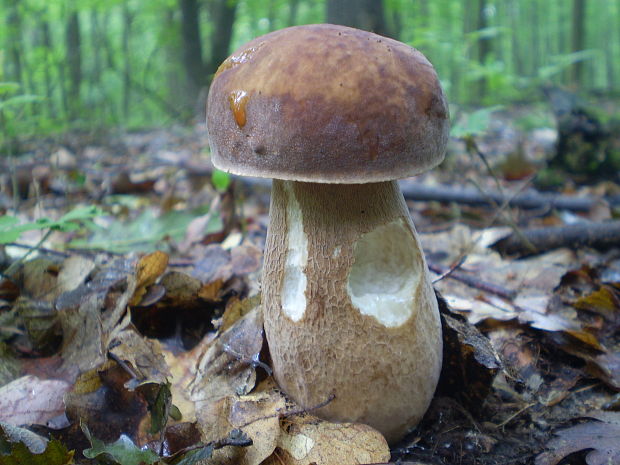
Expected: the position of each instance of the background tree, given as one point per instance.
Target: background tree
(73, 43)
(578, 38)
(362, 14)
(195, 77)
(130, 63)
(223, 14)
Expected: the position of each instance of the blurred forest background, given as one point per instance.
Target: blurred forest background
(104, 156)
(68, 64)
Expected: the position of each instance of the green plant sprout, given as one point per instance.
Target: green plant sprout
(11, 229)
(12, 106)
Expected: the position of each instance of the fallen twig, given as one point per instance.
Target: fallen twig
(472, 281)
(528, 200)
(596, 235)
(298, 411)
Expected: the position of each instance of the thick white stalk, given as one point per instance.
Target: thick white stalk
(349, 308)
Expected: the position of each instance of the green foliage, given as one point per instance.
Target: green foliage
(220, 180)
(146, 233)
(132, 71)
(121, 452)
(560, 63)
(160, 408)
(54, 454)
(11, 229)
(12, 110)
(195, 456)
(537, 117)
(473, 124)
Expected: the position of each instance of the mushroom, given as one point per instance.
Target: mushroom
(335, 115)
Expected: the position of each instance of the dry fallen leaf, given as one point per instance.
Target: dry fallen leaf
(149, 269)
(306, 440)
(257, 415)
(144, 356)
(30, 400)
(40, 277)
(181, 289)
(229, 365)
(35, 443)
(73, 272)
(82, 330)
(102, 402)
(90, 315)
(236, 308)
(600, 436)
(211, 291)
(469, 364)
(605, 300)
(214, 264)
(183, 371)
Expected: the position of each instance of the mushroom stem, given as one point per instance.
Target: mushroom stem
(349, 308)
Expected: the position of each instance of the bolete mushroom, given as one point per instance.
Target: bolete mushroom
(335, 115)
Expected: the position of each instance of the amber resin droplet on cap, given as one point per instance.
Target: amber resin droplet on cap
(238, 101)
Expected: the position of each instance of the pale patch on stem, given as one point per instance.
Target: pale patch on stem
(385, 274)
(294, 281)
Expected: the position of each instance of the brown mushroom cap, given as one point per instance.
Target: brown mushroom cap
(326, 103)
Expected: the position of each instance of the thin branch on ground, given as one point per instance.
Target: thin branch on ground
(596, 235)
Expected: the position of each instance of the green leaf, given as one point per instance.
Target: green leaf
(8, 231)
(193, 456)
(146, 233)
(561, 62)
(54, 454)
(123, 451)
(175, 413)
(220, 180)
(475, 123)
(81, 214)
(71, 221)
(19, 101)
(161, 408)
(8, 87)
(7, 221)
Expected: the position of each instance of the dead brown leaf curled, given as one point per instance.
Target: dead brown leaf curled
(257, 415)
(470, 363)
(306, 440)
(144, 357)
(148, 270)
(228, 367)
(30, 400)
(600, 437)
(102, 402)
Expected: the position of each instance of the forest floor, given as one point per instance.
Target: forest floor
(101, 335)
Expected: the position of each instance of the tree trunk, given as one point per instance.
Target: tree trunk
(74, 62)
(470, 25)
(484, 44)
(578, 39)
(271, 15)
(362, 14)
(109, 53)
(223, 13)
(95, 40)
(97, 45)
(293, 8)
(47, 45)
(192, 50)
(13, 66)
(395, 22)
(127, 20)
(171, 50)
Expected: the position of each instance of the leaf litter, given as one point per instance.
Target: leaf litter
(165, 353)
